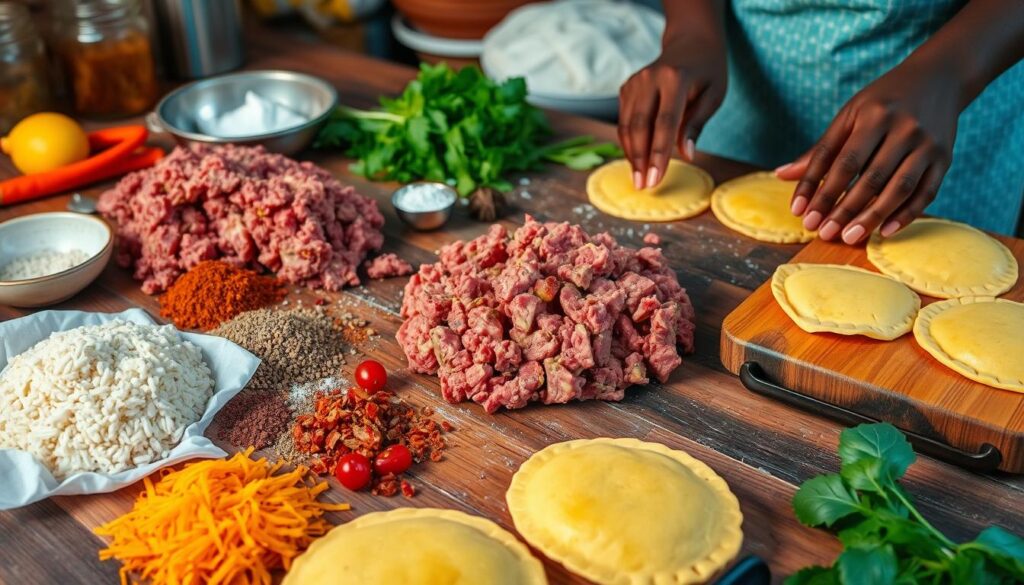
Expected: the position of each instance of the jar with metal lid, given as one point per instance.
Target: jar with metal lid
(24, 77)
(105, 51)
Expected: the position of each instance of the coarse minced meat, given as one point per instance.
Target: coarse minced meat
(549, 314)
(387, 266)
(245, 206)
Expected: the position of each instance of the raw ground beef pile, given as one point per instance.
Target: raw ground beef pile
(244, 206)
(387, 266)
(549, 314)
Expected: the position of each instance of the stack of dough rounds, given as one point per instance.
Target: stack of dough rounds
(758, 206)
(417, 547)
(979, 337)
(625, 511)
(844, 299)
(684, 192)
(945, 259)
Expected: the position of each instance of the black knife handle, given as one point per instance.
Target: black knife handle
(748, 571)
(755, 380)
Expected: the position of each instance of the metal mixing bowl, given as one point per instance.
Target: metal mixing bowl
(310, 96)
(424, 220)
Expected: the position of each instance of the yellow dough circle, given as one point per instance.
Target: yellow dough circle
(843, 299)
(422, 546)
(945, 259)
(981, 338)
(623, 511)
(758, 206)
(684, 192)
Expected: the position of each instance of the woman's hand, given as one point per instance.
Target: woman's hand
(881, 161)
(665, 105)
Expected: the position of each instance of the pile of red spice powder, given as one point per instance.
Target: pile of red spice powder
(213, 292)
(343, 422)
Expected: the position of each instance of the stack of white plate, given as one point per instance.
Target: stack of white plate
(428, 44)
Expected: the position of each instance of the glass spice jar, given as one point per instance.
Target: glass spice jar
(106, 54)
(24, 76)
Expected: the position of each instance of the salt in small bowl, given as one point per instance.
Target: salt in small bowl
(418, 216)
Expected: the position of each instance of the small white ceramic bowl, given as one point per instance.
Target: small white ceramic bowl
(62, 232)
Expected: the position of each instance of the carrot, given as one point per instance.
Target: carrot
(117, 144)
(142, 158)
(218, 522)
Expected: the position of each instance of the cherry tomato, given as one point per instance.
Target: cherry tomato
(353, 471)
(395, 459)
(371, 376)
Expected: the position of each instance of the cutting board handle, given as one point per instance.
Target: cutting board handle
(755, 380)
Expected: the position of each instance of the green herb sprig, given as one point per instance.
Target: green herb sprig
(886, 540)
(457, 127)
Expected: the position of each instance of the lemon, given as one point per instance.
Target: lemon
(45, 141)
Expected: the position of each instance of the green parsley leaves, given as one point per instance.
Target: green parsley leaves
(457, 127)
(886, 540)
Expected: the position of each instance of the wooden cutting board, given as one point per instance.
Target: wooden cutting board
(954, 418)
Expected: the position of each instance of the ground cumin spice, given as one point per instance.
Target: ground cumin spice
(213, 292)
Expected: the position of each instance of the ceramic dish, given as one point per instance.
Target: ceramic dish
(61, 232)
(605, 107)
(434, 45)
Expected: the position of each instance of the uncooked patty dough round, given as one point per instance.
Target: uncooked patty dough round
(980, 338)
(660, 517)
(758, 206)
(945, 259)
(424, 546)
(847, 300)
(684, 192)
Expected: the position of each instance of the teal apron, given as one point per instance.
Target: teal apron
(794, 63)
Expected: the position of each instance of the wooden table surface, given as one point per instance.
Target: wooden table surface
(763, 449)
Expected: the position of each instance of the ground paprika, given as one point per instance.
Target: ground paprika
(214, 291)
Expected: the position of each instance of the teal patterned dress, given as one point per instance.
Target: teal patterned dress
(794, 63)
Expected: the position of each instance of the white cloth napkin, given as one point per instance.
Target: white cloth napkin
(24, 480)
(574, 48)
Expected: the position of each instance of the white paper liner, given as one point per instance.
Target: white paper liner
(24, 480)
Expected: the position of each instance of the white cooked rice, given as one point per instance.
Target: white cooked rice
(103, 398)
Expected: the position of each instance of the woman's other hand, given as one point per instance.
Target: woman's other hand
(881, 161)
(665, 105)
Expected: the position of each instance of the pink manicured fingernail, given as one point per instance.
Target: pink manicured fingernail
(690, 148)
(853, 234)
(783, 168)
(638, 180)
(890, 228)
(652, 177)
(811, 220)
(829, 230)
(799, 205)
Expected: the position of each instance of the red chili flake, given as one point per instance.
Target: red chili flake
(343, 422)
(408, 490)
(320, 301)
(447, 426)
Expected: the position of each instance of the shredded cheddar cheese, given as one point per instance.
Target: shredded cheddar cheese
(218, 522)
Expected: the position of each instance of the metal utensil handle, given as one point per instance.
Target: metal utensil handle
(754, 379)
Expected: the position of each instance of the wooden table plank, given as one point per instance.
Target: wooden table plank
(762, 448)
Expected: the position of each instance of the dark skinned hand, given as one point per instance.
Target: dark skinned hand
(882, 159)
(665, 105)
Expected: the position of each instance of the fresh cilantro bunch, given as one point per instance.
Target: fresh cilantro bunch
(885, 539)
(457, 127)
